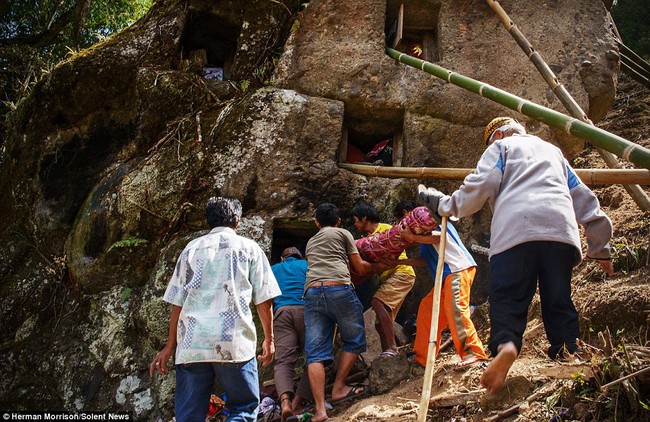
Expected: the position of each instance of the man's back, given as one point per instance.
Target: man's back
(327, 255)
(217, 276)
(291, 275)
(457, 257)
(533, 201)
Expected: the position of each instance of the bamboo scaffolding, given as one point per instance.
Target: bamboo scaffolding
(634, 74)
(588, 176)
(625, 60)
(572, 126)
(635, 191)
(433, 331)
(625, 51)
(630, 55)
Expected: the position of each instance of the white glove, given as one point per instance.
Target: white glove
(430, 197)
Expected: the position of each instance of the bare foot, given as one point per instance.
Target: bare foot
(286, 407)
(296, 405)
(318, 417)
(495, 374)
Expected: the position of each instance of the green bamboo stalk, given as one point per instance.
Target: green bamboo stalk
(634, 153)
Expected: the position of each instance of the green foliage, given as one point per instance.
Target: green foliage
(129, 242)
(264, 72)
(624, 401)
(632, 19)
(244, 85)
(630, 256)
(126, 294)
(63, 23)
(295, 26)
(34, 36)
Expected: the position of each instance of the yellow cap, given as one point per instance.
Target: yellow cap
(496, 124)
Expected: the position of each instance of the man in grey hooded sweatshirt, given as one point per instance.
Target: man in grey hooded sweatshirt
(537, 203)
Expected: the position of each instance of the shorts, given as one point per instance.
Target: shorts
(393, 291)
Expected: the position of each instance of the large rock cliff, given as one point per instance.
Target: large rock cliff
(107, 165)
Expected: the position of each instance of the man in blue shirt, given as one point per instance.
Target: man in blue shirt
(289, 325)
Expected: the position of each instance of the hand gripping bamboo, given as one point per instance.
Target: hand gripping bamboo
(433, 332)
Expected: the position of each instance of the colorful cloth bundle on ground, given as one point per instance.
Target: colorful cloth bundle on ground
(389, 244)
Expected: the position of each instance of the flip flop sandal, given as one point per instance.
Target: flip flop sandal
(353, 394)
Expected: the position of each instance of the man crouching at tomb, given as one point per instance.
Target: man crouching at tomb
(211, 327)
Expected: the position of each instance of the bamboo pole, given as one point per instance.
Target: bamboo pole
(635, 191)
(614, 29)
(588, 176)
(635, 75)
(571, 126)
(433, 331)
(635, 58)
(634, 66)
(620, 380)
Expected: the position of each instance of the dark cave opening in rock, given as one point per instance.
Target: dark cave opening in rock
(412, 27)
(291, 232)
(377, 140)
(210, 42)
(68, 174)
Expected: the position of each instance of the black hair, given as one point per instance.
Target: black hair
(364, 209)
(223, 212)
(401, 206)
(327, 215)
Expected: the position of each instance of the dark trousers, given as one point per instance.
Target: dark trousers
(513, 280)
(289, 327)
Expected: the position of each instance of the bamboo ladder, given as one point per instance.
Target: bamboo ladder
(563, 95)
(631, 63)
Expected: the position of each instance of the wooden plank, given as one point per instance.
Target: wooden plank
(398, 149)
(343, 147)
(400, 26)
(429, 46)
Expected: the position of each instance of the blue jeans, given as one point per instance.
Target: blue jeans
(194, 385)
(326, 307)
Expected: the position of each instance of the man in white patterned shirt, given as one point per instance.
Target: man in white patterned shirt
(211, 328)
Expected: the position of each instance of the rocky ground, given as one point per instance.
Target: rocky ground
(614, 322)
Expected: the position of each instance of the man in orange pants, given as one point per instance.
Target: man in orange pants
(458, 276)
